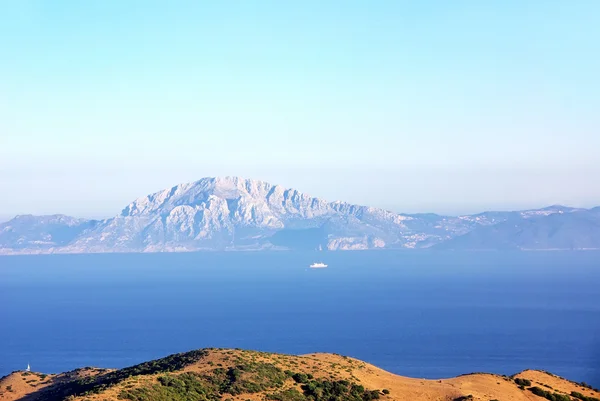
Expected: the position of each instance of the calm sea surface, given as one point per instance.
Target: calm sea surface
(421, 314)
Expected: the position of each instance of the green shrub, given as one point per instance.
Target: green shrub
(523, 382)
(538, 391)
(251, 377)
(322, 390)
(182, 387)
(548, 395)
(300, 378)
(583, 397)
(287, 395)
(245, 378)
(96, 384)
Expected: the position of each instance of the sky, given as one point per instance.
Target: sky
(414, 106)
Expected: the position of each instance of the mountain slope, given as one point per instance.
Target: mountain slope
(230, 212)
(234, 213)
(40, 233)
(575, 230)
(214, 374)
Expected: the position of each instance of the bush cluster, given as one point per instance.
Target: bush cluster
(523, 382)
(248, 378)
(301, 378)
(183, 387)
(584, 384)
(548, 395)
(322, 390)
(287, 395)
(583, 397)
(242, 379)
(96, 384)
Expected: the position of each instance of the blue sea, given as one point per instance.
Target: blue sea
(421, 314)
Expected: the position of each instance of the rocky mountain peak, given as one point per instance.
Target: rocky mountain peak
(219, 213)
(197, 192)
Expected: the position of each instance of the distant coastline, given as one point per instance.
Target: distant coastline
(231, 213)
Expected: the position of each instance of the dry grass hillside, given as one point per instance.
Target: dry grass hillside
(237, 375)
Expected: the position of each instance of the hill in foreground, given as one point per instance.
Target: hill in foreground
(237, 375)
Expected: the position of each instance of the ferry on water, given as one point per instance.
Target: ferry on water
(318, 265)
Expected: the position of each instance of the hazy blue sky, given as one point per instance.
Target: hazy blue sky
(447, 106)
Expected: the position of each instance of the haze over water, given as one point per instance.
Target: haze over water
(421, 314)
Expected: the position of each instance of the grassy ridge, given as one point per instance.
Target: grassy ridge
(96, 384)
(248, 378)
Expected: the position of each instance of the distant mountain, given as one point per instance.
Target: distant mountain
(29, 233)
(235, 214)
(574, 229)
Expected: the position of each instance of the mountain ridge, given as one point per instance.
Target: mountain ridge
(233, 213)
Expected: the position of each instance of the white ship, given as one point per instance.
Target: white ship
(318, 265)
(28, 368)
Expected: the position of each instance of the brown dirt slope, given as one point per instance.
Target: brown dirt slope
(238, 375)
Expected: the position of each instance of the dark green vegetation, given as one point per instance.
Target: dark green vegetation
(325, 390)
(523, 382)
(583, 397)
(186, 386)
(548, 395)
(584, 384)
(300, 377)
(225, 375)
(287, 395)
(96, 384)
(249, 377)
(337, 390)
